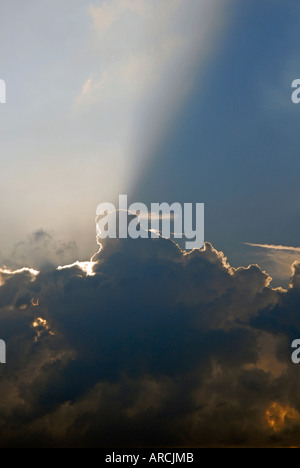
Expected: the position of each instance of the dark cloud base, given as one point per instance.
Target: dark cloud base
(157, 349)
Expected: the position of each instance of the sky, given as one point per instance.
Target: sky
(141, 343)
(88, 100)
(162, 100)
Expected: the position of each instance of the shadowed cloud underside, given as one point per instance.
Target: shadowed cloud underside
(157, 348)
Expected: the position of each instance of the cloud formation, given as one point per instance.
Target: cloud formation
(39, 249)
(278, 260)
(157, 348)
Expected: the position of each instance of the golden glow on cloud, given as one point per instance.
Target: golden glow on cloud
(6, 271)
(277, 416)
(41, 326)
(39, 321)
(86, 267)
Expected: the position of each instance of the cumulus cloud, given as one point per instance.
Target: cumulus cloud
(156, 348)
(277, 259)
(39, 249)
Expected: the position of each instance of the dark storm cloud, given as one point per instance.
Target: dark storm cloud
(158, 348)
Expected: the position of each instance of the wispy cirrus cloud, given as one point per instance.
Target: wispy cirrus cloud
(274, 247)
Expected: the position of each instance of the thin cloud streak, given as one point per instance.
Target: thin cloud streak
(274, 247)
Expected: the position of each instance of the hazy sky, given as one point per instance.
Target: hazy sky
(91, 90)
(174, 100)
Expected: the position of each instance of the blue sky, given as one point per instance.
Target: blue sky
(235, 143)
